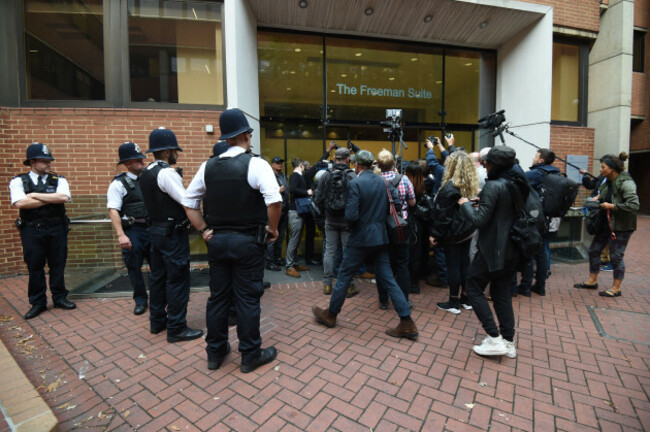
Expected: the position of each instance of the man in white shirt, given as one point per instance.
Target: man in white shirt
(40, 195)
(169, 284)
(129, 215)
(242, 206)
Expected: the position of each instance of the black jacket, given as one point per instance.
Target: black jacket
(494, 218)
(297, 189)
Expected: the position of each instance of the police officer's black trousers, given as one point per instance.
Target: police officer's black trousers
(169, 284)
(40, 245)
(140, 249)
(236, 272)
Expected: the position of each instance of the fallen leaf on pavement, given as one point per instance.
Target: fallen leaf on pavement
(470, 406)
(53, 386)
(176, 428)
(23, 340)
(126, 414)
(63, 406)
(612, 404)
(6, 318)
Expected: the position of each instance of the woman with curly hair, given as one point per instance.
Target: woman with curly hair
(618, 197)
(451, 229)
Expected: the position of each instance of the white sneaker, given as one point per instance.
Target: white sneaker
(491, 346)
(511, 350)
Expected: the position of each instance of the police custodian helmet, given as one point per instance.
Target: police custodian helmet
(37, 151)
(162, 139)
(129, 150)
(233, 122)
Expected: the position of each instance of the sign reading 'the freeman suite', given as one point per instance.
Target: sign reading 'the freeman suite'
(364, 90)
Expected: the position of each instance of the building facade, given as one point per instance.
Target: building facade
(83, 76)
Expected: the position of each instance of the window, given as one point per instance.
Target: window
(64, 50)
(568, 102)
(638, 59)
(175, 52)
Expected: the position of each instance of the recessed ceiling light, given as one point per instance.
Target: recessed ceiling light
(292, 72)
(428, 18)
(332, 91)
(369, 11)
(303, 3)
(344, 75)
(364, 67)
(358, 54)
(391, 78)
(414, 59)
(288, 88)
(297, 50)
(468, 64)
(438, 82)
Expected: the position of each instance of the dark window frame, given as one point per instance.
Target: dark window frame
(583, 81)
(116, 64)
(638, 50)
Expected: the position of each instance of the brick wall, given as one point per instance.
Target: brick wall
(571, 140)
(642, 13)
(84, 142)
(578, 14)
(639, 93)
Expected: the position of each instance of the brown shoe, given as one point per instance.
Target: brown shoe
(352, 291)
(327, 289)
(366, 275)
(324, 316)
(292, 272)
(301, 267)
(405, 329)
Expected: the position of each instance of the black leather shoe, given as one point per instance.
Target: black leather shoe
(186, 335)
(139, 309)
(267, 355)
(214, 361)
(65, 304)
(35, 311)
(272, 267)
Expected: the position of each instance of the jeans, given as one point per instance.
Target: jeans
(457, 256)
(40, 245)
(616, 251)
(478, 276)
(133, 259)
(353, 257)
(236, 275)
(398, 256)
(337, 238)
(295, 223)
(540, 271)
(169, 285)
(274, 249)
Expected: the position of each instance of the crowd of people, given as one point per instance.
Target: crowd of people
(458, 210)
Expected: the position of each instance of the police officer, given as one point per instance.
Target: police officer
(40, 195)
(129, 218)
(169, 284)
(240, 194)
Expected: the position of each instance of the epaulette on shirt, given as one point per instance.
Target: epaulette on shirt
(125, 180)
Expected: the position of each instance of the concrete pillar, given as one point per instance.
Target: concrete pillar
(240, 33)
(524, 83)
(610, 79)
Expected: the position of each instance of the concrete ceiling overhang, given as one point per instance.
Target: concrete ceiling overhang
(471, 23)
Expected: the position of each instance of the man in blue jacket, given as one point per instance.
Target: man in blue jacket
(542, 166)
(366, 211)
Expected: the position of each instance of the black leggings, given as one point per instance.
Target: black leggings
(457, 257)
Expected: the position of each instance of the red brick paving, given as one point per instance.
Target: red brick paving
(353, 377)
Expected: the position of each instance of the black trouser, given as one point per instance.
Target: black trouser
(169, 284)
(418, 251)
(45, 244)
(399, 260)
(133, 259)
(457, 257)
(478, 276)
(310, 232)
(236, 273)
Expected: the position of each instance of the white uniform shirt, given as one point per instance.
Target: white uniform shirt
(170, 182)
(116, 193)
(260, 177)
(18, 191)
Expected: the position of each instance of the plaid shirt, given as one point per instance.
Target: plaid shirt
(405, 189)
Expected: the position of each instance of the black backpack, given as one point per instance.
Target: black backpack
(557, 193)
(336, 191)
(530, 224)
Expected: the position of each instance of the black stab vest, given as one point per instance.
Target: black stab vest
(230, 203)
(133, 202)
(48, 211)
(160, 206)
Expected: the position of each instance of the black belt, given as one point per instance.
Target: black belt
(250, 232)
(44, 222)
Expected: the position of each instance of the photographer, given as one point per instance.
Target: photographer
(438, 168)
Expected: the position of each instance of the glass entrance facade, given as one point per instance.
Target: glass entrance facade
(315, 89)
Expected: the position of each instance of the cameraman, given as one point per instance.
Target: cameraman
(438, 168)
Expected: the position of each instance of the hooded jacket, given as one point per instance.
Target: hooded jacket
(626, 200)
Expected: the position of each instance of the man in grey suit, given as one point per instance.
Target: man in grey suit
(366, 211)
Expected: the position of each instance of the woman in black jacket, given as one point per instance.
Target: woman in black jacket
(452, 230)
